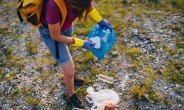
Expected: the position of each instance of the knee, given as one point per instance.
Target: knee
(68, 69)
(69, 73)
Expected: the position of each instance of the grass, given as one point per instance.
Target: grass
(82, 67)
(32, 47)
(15, 93)
(170, 50)
(32, 101)
(171, 73)
(52, 90)
(144, 91)
(90, 78)
(179, 43)
(39, 68)
(47, 61)
(178, 3)
(10, 63)
(44, 76)
(133, 52)
(179, 91)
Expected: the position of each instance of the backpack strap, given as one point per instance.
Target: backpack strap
(62, 6)
(57, 49)
(18, 12)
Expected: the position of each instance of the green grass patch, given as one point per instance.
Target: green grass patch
(179, 91)
(133, 52)
(25, 91)
(52, 90)
(155, 14)
(47, 61)
(171, 73)
(166, 102)
(144, 91)
(179, 43)
(1, 94)
(32, 101)
(32, 47)
(82, 67)
(8, 52)
(88, 55)
(91, 77)
(178, 4)
(15, 93)
(39, 68)
(44, 76)
(10, 75)
(172, 51)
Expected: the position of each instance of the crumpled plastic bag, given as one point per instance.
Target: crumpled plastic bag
(102, 98)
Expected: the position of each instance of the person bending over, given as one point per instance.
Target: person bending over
(56, 32)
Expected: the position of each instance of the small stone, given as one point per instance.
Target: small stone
(146, 96)
(95, 59)
(144, 51)
(115, 53)
(13, 24)
(159, 72)
(165, 87)
(182, 70)
(56, 98)
(177, 85)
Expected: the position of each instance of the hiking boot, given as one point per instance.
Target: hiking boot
(78, 81)
(76, 101)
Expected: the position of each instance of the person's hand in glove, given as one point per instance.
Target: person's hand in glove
(98, 18)
(105, 23)
(88, 45)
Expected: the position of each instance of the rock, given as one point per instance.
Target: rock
(133, 31)
(182, 70)
(114, 53)
(159, 72)
(144, 51)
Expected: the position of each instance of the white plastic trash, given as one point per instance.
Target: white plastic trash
(102, 98)
(96, 40)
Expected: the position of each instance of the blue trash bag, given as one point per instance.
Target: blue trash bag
(107, 39)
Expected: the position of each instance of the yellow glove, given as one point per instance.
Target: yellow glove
(95, 15)
(77, 42)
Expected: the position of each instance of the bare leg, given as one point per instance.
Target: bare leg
(69, 72)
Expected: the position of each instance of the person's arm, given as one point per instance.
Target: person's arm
(98, 18)
(94, 14)
(55, 30)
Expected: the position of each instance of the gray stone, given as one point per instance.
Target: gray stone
(182, 70)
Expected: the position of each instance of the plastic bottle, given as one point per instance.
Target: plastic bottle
(123, 82)
(106, 79)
